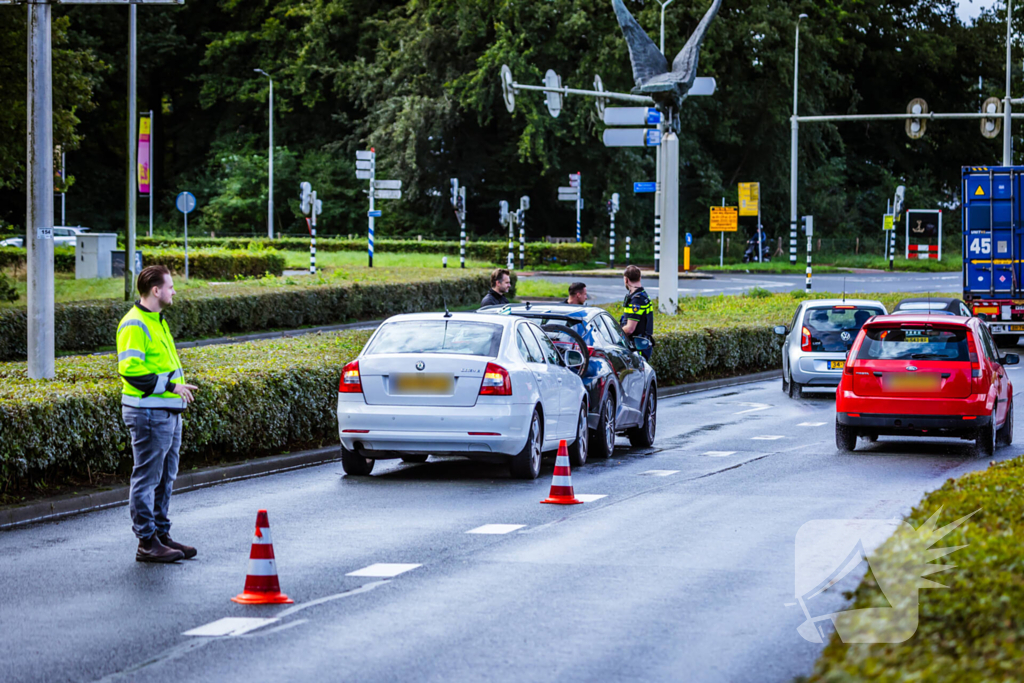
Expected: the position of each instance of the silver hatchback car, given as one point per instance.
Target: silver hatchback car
(816, 341)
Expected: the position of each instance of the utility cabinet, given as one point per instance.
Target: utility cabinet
(92, 255)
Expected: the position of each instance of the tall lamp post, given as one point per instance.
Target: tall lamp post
(1007, 109)
(657, 164)
(794, 127)
(270, 183)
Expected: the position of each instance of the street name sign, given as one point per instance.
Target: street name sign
(387, 194)
(364, 154)
(631, 116)
(631, 137)
(724, 219)
(387, 184)
(373, 214)
(364, 175)
(749, 196)
(364, 164)
(645, 187)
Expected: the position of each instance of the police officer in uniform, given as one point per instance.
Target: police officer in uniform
(638, 311)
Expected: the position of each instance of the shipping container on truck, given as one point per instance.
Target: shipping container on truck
(993, 247)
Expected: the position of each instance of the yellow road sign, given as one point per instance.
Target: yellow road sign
(724, 219)
(887, 222)
(749, 197)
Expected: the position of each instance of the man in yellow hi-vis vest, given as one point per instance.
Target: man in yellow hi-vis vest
(153, 396)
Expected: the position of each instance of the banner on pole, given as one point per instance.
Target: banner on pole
(749, 198)
(887, 222)
(724, 219)
(143, 163)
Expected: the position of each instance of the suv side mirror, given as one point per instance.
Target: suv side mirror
(1009, 359)
(781, 330)
(573, 358)
(641, 343)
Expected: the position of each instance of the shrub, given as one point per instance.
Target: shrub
(216, 264)
(7, 290)
(970, 630)
(15, 257)
(209, 312)
(537, 253)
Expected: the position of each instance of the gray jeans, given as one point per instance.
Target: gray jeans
(156, 438)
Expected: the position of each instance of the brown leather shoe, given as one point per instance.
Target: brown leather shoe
(152, 550)
(189, 551)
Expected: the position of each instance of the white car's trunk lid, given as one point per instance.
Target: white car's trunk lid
(422, 379)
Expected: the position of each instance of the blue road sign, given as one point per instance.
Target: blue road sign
(689, 240)
(645, 187)
(653, 116)
(185, 201)
(653, 138)
(373, 214)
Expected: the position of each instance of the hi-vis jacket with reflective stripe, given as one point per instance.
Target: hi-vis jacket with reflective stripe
(147, 361)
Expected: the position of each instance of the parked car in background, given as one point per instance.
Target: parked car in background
(816, 341)
(622, 387)
(926, 375)
(493, 388)
(939, 305)
(63, 235)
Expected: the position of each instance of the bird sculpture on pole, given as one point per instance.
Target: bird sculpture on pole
(667, 87)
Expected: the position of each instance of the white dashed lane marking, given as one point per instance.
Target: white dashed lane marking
(660, 473)
(383, 570)
(496, 529)
(717, 454)
(767, 437)
(811, 424)
(590, 497)
(229, 626)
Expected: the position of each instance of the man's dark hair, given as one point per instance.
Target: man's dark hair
(150, 277)
(632, 273)
(576, 287)
(497, 274)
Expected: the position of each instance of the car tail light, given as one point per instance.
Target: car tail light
(496, 381)
(805, 339)
(972, 351)
(350, 382)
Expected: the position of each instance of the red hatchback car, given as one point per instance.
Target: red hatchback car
(925, 375)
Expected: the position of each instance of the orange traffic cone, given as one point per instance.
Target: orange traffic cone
(561, 482)
(261, 586)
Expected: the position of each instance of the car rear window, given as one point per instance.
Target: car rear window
(833, 328)
(917, 343)
(440, 336)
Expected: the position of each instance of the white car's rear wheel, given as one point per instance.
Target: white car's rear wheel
(355, 464)
(526, 463)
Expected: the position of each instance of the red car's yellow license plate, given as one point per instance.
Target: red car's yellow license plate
(836, 364)
(912, 382)
(424, 384)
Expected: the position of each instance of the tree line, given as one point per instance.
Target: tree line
(418, 81)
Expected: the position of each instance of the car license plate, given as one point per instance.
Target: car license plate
(836, 364)
(912, 381)
(1016, 328)
(435, 385)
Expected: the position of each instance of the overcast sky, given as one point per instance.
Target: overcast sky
(967, 10)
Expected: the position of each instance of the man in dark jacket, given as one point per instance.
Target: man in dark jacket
(500, 284)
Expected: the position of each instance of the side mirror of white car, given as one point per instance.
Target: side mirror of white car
(573, 358)
(781, 330)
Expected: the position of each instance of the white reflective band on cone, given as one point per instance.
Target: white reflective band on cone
(262, 568)
(561, 481)
(265, 540)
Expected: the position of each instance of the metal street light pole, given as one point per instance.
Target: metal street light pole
(794, 127)
(1007, 109)
(270, 182)
(129, 251)
(663, 6)
(658, 193)
(39, 209)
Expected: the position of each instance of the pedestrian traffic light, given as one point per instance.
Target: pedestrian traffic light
(808, 225)
(897, 203)
(503, 211)
(306, 195)
(455, 191)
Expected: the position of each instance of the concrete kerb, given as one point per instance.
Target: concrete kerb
(63, 506)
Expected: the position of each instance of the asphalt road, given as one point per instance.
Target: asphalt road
(610, 289)
(682, 571)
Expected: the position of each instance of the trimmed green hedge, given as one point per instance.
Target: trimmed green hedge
(681, 357)
(253, 399)
(971, 630)
(216, 264)
(15, 257)
(88, 325)
(537, 253)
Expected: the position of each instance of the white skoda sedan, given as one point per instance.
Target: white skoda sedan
(486, 387)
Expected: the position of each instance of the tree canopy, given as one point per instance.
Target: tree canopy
(419, 82)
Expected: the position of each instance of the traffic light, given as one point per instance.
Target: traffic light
(306, 196)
